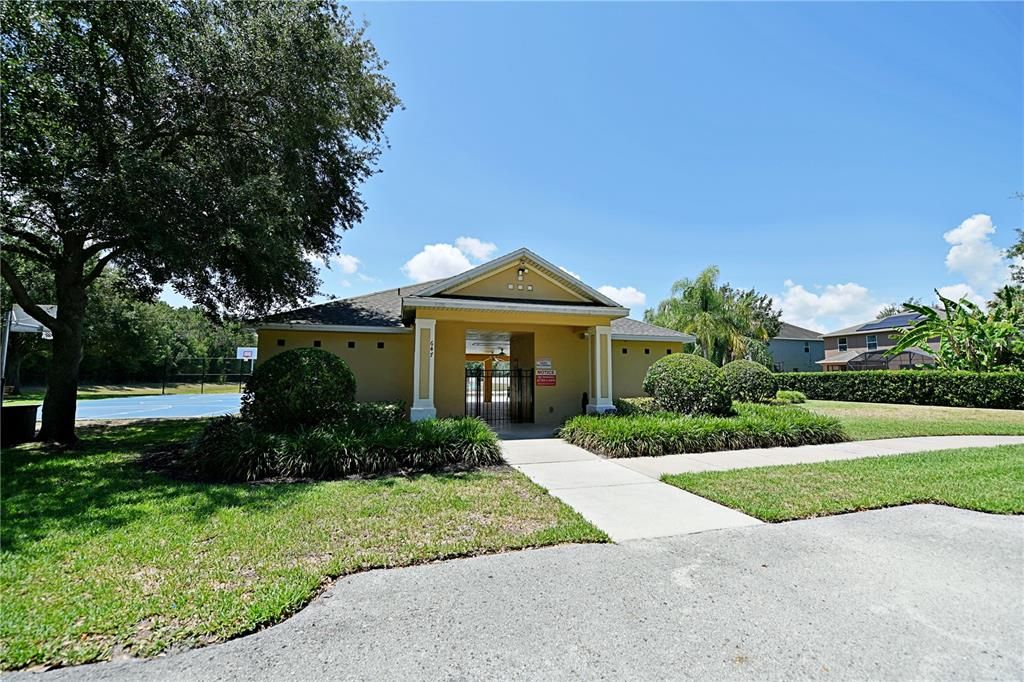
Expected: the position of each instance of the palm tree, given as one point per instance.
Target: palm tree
(724, 320)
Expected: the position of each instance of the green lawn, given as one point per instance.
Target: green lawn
(34, 395)
(984, 479)
(864, 421)
(99, 556)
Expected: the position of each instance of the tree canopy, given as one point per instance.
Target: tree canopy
(210, 145)
(729, 323)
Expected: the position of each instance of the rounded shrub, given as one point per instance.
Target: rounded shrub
(749, 382)
(304, 387)
(687, 384)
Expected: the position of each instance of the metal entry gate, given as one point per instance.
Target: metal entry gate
(500, 396)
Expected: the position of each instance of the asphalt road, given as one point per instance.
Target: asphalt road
(923, 592)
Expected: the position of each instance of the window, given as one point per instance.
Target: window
(351, 344)
(647, 351)
(280, 342)
(842, 343)
(625, 350)
(316, 343)
(872, 342)
(668, 351)
(807, 346)
(380, 344)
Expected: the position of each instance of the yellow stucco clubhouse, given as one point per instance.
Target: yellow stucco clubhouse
(516, 339)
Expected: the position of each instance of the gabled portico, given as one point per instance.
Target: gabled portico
(517, 338)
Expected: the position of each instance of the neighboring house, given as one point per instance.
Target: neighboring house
(864, 346)
(517, 339)
(796, 349)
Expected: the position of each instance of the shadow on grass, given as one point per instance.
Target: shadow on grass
(103, 486)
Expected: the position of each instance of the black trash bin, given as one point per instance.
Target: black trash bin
(17, 424)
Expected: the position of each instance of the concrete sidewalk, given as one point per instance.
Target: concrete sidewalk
(625, 504)
(625, 497)
(656, 467)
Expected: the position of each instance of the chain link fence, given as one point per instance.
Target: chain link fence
(205, 375)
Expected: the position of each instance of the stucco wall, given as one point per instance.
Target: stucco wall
(562, 344)
(630, 368)
(386, 373)
(789, 354)
(381, 373)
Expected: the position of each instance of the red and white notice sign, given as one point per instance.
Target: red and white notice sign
(546, 377)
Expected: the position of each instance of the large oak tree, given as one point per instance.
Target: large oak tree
(213, 146)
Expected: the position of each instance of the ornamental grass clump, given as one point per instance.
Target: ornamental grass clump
(687, 384)
(749, 382)
(753, 426)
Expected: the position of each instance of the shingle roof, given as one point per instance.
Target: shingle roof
(384, 309)
(625, 326)
(791, 331)
(885, 324)
(379, 309)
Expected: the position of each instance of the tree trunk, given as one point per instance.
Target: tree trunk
(14, 368)
(66, 355)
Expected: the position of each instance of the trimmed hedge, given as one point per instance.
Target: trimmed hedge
(641, 405)
(754, 426)
(232, 449)
(748, 381)
(912, 387)
(299, 388)
(687, 384)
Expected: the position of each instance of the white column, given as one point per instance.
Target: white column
(601, 400)
(423, 371)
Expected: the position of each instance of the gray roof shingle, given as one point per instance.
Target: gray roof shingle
(379, 309)
(791, 331)
(629, 327)
(384, 309)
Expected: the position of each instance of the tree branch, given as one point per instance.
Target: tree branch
(97, 269)
(24, 300)
(25, 251)
(30, 238)
(94, 249)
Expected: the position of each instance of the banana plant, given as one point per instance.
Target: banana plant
(969, 337)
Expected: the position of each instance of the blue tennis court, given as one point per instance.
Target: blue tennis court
(159, 406)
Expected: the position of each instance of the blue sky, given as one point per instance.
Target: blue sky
(816, 151)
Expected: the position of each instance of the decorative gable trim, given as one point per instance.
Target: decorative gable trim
(553, 274)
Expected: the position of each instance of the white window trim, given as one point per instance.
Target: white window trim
(842, 341)
(867, 341)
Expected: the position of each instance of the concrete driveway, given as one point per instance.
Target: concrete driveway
(922, 592)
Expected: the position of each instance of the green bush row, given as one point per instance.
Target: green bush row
(753, 426)
(914, 387)
(233, 449)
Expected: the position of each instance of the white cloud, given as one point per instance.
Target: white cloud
(627, 297)
(831, 307)
(569, 272)
(958, 291)
(973, 255)
(474, 248)
(347, 263)
(436, 261)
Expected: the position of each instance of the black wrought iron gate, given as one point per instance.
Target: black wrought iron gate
(500, 396)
